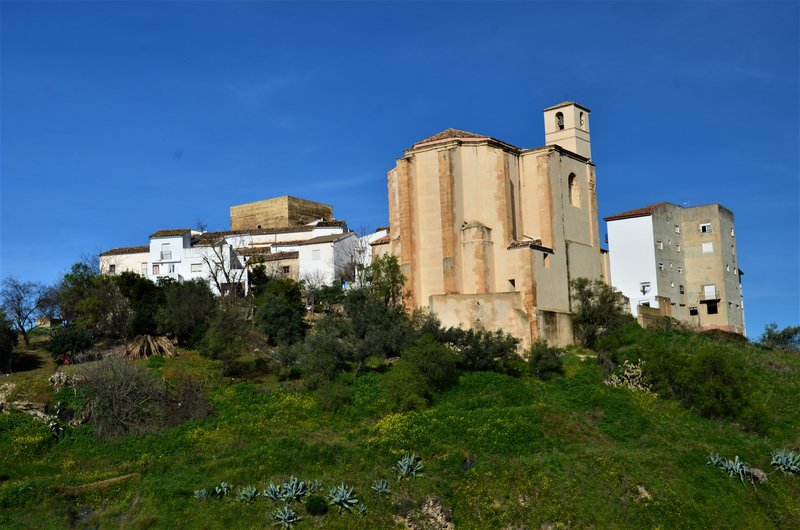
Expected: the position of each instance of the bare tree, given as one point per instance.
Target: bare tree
(22, 302)
(227, 270)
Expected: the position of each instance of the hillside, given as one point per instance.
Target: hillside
(498, 452)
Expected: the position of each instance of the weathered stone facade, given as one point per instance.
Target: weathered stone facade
(278, 213)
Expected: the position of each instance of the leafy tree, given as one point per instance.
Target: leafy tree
(67, 342)
(786, 339)
(386, 280)
(378, 328)
(8, 340)
(145, 298)
(437, 363)
(328, 349)
(479, 349)
(22, 302)
(280, 311)
(186, 310)
(597, 310)
(226, 338)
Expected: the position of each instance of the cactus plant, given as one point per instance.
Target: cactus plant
(380, 486)
(293, 490)
(408, 466)
(285, 517)
(342, 497)
(273, 492)
(247, 494)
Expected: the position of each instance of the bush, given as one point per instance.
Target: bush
(66, 343)
(8, 340)
(598, 310)
(406, 387)
(436, 362)
(123, 399)
(786, 339)
(714, 385)
(480, 350)
(544, 362)
(187, 400)
(226, 338)
(188, 306)
(316, 505)
(280, 311)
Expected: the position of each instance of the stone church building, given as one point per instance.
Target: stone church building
(489, 235)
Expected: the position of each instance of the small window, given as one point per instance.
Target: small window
(670, 264)
(112, 269)
(660, 266)
(513, 283)
(644, 287)
(732, 235)
(733, 249)
(315, 255)
(156, 270)
(677, 229)
(708, 247)
(678, 247)
(143, 269)
(197, 267)
(574, 190)
(659, 245)
(560, 121)
(171, 268)
(681, 289)
(672, 284)
(582, 122)
(680, 270)
(727, 268)
(285, 269)
(693, 311)
(712, 308)
(705, 228)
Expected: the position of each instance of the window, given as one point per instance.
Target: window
(705, 228)
(574, 190)
(727, 268)
(644, 287)
(677, 229)
(732, 232)
(143, 269)
(112, 269)
(560, 121)
(156, 270)
(582, 122)
(672, 284)
(285, 269)
(197, 267)
(315, 255)
(678, 247)
(708, 247)
(660, 266)
(733, 249)
(659, 245)
(166, 253)
(709, 292)
(712, 308)
(171, 267)
(670, 264)
(681, 289)
(680, 270)
(693, 311)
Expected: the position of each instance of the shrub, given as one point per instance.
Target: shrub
(597, 310)
(480, 350)
(68, 342)
(381, 486)
(316, 505)
(406, 387)
(285, 517)
(187, 307)
(544, 361)
(8, 340)
(630, 376)
(226, 338)
(343, 497)
(715, 385)
(786, 339)
(437, 363)
(280, 312)
(786, 460)
(187, 400)
(123, 399)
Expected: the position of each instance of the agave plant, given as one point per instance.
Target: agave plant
(362, 509)
(247, 494)
(408, 466)
(380, 486)
(222, 490)
(314, 487)
(285, 517)
(342, 497)
(293, 490)
(273, 492)
(787, 461)
(734, 468)
(201, 495)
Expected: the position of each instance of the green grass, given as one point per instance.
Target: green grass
(570, 452)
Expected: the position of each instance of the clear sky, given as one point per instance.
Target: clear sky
(122, 118)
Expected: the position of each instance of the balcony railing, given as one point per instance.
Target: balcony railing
(166, 255)
(709, 294)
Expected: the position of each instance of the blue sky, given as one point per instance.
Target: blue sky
(118, 119)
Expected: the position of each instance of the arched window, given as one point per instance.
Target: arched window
(581, 121)
(574, 190)
(560, 120)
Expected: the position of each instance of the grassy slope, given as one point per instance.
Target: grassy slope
(569, 451)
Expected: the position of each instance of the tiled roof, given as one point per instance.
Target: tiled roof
(565, 103)
(535, 244)
(170, 233)
(382, 228)
(640, 212)
(324, 239)
(448, 134)
(278, 256)
(126, 250)
(381, 241)
(329, 224)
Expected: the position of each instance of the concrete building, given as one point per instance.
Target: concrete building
(489, 235)
(679, 261)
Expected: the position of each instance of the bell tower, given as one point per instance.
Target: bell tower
(567, 125)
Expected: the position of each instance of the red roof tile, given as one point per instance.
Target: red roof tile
(126, 250)
(640, 212)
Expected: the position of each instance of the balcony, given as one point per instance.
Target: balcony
(709, 295)
(165, 255)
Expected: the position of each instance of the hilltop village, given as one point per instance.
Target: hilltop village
(488, 235)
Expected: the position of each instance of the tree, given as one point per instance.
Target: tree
(280, 312)
(8, 340)
(354, 264)
(186, 311)
(786, 339)
(386, 280)
(597, 310)
(22, 302)
(226, 269)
